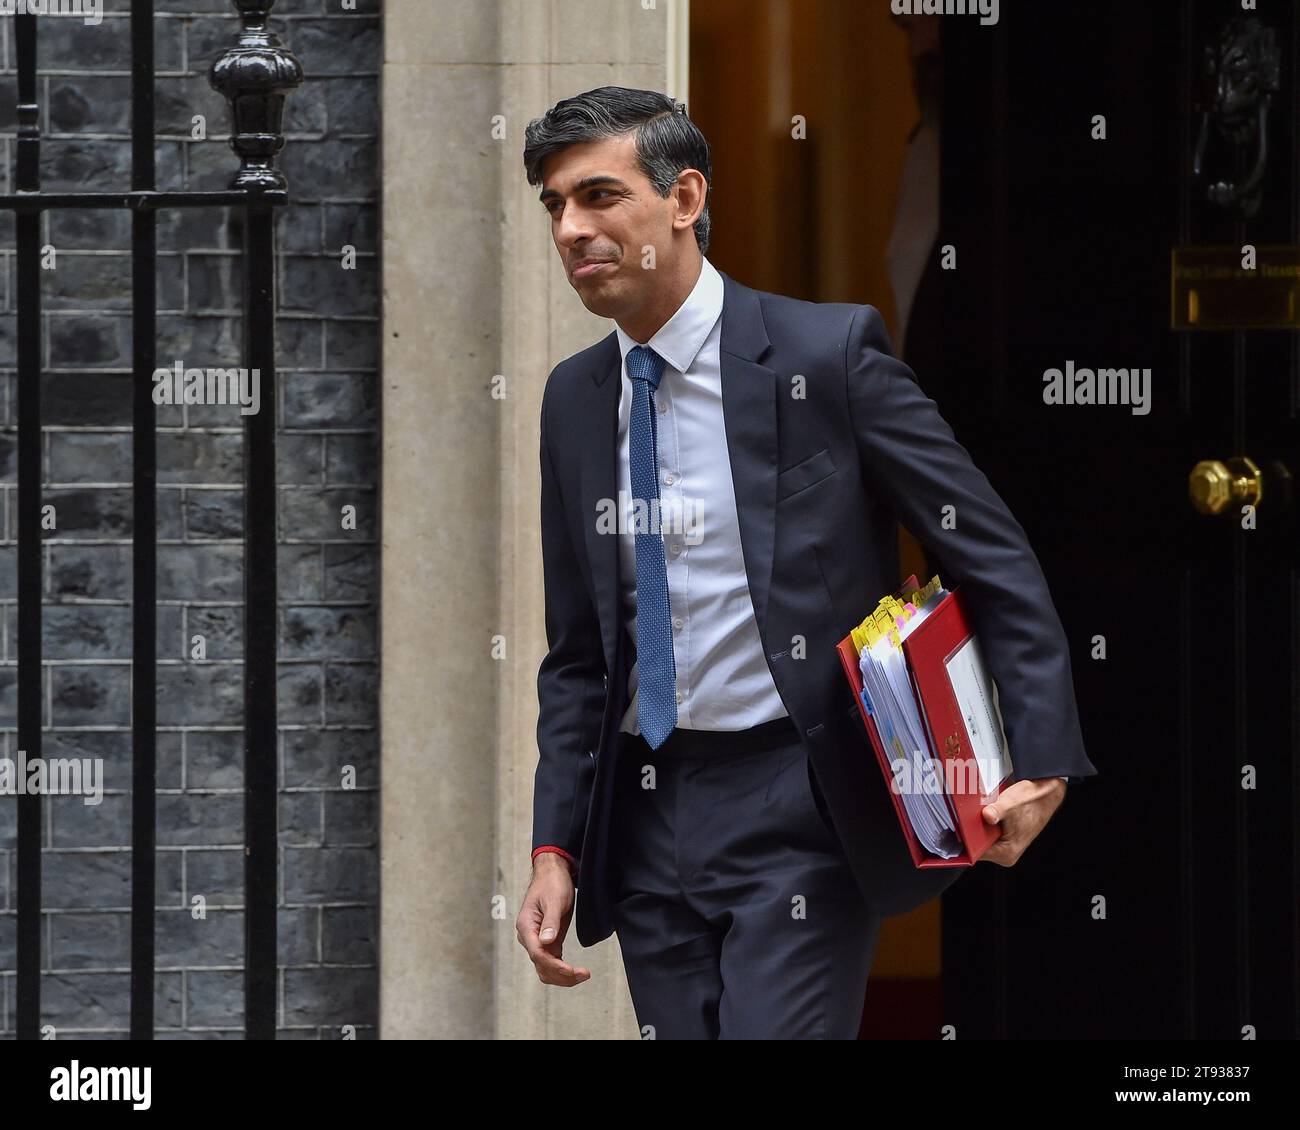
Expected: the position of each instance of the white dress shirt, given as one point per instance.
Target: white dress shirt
(723, 681)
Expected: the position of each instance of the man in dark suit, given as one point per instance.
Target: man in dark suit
(721, 478)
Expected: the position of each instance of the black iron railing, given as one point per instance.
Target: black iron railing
(254, 75)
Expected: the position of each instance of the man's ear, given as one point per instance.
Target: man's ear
(697, 185)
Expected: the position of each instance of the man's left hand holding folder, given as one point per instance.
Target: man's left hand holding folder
(1022, 811)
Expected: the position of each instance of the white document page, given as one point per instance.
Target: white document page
(977, 700)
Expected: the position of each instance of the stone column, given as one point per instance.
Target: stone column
(476, 313)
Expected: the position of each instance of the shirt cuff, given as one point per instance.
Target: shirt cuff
(573, 863)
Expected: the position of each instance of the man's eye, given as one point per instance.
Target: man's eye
(595, 192)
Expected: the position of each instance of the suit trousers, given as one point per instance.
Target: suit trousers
(735, 909)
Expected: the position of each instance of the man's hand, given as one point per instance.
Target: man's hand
(1021, 811)
(544, 920)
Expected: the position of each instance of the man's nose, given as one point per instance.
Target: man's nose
(573, 226)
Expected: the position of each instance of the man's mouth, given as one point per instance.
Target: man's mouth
(587, 269)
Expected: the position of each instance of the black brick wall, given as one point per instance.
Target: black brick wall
(328, 457)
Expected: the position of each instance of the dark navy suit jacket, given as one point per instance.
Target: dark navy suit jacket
(831, 441)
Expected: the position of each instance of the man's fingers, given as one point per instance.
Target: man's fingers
(1010, 799)
(551, 968)
(560, 973)
(550, 927)
(1019, 813)
(1001, 852)
(1013, 796)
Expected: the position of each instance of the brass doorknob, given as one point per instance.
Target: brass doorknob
(1214, 485)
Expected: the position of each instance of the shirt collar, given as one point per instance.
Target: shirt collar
(681, 338)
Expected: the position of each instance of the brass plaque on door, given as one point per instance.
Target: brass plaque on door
(1211, 288)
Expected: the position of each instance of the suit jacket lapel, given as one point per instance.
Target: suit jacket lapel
(597, 437)
(749, 392)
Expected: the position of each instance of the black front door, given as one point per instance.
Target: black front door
(1161, 902)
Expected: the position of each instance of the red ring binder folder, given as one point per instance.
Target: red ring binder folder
(944, 633)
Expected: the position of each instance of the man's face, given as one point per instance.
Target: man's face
(604, 214)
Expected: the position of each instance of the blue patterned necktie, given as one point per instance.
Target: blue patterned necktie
(656, 668)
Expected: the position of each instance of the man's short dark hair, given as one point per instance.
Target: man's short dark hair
(667, 141)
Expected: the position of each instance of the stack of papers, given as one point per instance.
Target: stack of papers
(890, 698)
